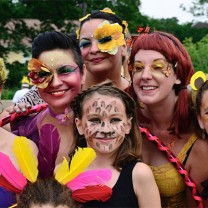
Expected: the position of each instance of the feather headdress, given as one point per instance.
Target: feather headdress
(85, 186)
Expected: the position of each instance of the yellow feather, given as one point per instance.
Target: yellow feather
(79, 162)
(26, 158)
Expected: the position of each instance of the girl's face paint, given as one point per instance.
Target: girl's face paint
(153, 78)
(104, 123)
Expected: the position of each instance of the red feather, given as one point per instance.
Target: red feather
(9, 187)
(90, 193)
(48, 149)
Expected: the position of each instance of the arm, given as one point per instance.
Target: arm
(145, 187)
(197, 164)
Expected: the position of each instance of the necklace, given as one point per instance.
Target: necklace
(65, 118)
(170, 144)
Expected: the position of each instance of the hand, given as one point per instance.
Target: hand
(20, 107)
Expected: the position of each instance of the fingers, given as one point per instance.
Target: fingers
(21, 107)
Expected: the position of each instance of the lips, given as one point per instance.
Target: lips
(97, 60)
(58, 93)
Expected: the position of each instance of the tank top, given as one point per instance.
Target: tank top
(123, 192)
(170, 183)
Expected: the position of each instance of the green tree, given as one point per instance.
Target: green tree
(198, 52)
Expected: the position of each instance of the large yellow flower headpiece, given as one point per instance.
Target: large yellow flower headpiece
(196, 82)
(109, 37)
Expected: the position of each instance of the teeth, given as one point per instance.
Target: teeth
(148, 88)
(58, 93)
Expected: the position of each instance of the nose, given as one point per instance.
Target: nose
(106, 129)
(146, 73)
(94, 47)
(56, 81)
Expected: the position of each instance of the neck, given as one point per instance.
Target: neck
(160, 115)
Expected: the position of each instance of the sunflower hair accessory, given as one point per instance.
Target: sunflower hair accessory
(109, 37)
(196, 82)
(3, 72)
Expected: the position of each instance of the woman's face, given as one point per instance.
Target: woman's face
(98, 62)
(104, 123)
(203, 117)
(153, 77)
(65, 84)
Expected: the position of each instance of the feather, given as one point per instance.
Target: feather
(26, 158)
(90, 178)
(79, 162)
(48, 149)
(89, 193)
(8, 186)
(10, 173)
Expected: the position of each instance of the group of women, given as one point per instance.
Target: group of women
(104, 117)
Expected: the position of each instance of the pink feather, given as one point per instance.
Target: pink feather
(10, 173)
(48, 149)
(90, 178)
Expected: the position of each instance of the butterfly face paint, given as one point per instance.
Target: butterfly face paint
(104, 123)
(159, 66)
(41, 75)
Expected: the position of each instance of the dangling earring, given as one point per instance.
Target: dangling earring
(203, 134)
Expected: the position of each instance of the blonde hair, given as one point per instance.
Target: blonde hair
(3, 72)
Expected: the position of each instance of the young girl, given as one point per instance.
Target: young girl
(105, 119)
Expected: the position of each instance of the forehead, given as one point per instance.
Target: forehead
(98, 100)
(148, 55)
(89, 26)
(57, 57)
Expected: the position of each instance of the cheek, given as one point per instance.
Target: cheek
(84, 53)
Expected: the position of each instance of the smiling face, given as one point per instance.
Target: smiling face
(153, 77)
(95, 60)
(203, 117)
(65, 83)
(104, 123)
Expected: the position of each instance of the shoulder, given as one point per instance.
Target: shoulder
(142, 172)
(200, 147)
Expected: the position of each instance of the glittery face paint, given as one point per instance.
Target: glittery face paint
(104, 123)
(159, 66)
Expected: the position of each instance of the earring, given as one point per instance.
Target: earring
(1, 107)
(203, 134)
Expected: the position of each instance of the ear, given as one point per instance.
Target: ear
(200, 122)
(79, 126)
(128, 126)
(177, 81)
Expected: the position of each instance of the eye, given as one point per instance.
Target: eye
(42, 74)
(66, 69)
(138, 67)
(105, 39)
(115, 120)
(94, 120)
(84, 44)
(157, 66)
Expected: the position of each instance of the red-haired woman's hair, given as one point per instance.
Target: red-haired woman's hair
(173, 50)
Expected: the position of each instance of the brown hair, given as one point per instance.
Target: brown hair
(131, 147)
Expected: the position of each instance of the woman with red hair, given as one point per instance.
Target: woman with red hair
(161, 70)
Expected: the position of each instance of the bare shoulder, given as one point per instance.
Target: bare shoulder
(142, 171)
(200, 147)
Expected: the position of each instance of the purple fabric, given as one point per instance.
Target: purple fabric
(7, 198)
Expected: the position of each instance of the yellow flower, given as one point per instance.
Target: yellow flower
(107, 10)
(124, 22)
(85, 17)
(78, 33)
(109, 37)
